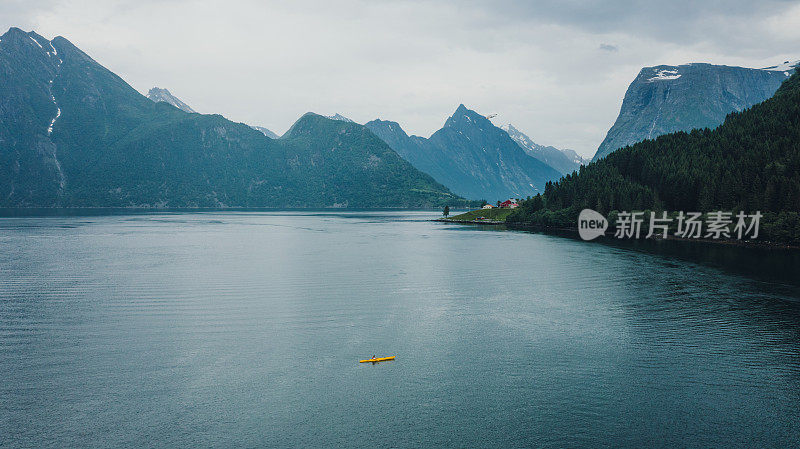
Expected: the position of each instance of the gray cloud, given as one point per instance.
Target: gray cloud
(678, 21)
(609, 48)
(537, 64)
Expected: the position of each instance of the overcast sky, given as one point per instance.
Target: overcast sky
(555, 69)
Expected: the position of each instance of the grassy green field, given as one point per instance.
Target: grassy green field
(495, 214)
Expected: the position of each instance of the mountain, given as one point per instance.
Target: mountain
(74, 134)
(338, 116)
(471, 157)
(749, 163)
(565, 161)
(265, 132)
(786, 66)
(575, 157)
(157, 94)
(665, 99)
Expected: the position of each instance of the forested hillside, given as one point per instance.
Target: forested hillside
(751, 162)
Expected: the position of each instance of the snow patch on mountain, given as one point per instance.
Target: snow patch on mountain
(785, 67)
(54, 149)
(339, 117)
(663, 75)
(50, 89)
(58, 110)
(36, 42)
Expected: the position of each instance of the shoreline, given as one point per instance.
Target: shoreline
(32, 212)
(212, 208)
(574, 232)
(477, 222)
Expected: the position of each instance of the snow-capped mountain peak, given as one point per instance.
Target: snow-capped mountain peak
(158, 94)
(565, 161)
(521, 138)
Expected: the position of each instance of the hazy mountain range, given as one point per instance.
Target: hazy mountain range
(562, 161)
(72, 133)
(470, 156)
(75, 134)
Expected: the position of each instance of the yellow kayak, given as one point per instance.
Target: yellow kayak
(377, 359)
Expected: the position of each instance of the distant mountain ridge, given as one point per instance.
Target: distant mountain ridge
(664, 99)
(575, 157)
(471, 157)
(265, 132)
(157, 94)
(565, 161)
(74, 134)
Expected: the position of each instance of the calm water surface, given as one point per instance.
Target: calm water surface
(244, 329)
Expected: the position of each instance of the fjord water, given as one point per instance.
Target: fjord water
(244, 329)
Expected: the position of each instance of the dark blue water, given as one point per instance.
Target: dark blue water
(244, 329)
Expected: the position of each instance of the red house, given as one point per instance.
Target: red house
(508, 204)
